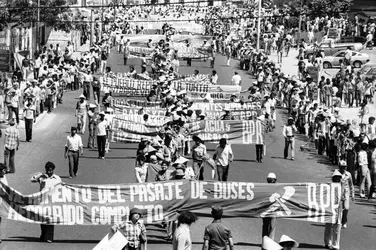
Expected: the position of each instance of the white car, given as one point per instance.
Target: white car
(357, 59)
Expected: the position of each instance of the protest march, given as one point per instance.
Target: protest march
(174, 116)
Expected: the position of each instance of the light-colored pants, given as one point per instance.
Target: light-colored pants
(81, 123)
(365, 176)
(332, 235)
(346, 205)
(289, 142)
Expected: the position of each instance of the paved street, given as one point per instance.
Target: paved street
(48, 145)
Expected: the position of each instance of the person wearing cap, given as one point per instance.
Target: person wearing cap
(217, 235)
(46, 181)
(198, 153)
(133, 230)
(269, 223)
(332, 231)
(92, 116)
(73, 147)
(223, 155)
(182, 237)
(102, 126)
(82, 107)
(11, 144)
(348, 188)
(287, 243)
(288, 133)
(29, 115)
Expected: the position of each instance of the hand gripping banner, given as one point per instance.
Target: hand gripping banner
(68, 204)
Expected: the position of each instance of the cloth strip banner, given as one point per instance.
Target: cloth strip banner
(213, 95)
(204, 106)
(70, 204)
(235, 131)
(155, 117)
(135, 103)
(203, 88)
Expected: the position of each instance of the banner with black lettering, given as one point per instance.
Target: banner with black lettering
(155, 117)
(235, 131)
(116, 101)
(70, 204)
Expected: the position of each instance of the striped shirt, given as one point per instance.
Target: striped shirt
(12, 136)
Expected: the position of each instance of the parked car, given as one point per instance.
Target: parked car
(331, 48)
(368, 70)
(357, 59)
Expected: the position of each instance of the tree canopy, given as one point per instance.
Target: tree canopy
(53, 13)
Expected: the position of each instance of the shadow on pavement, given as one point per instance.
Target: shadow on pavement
(36, 239)
(311, 246)
(370, 226)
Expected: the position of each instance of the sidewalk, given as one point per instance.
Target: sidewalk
(290, 66)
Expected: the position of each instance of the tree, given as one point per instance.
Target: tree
(321, 8)
(53, 13)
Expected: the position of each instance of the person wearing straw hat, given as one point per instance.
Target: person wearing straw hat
(82, 107)
(287, 243)
(133, 229)
(217, 235)
(333, 229)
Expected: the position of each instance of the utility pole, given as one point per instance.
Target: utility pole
(102, 26)
(92, 27)
(37, 28)
(258, 25)
(300, 20)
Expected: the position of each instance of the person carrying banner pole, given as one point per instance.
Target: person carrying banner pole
(46, 181)
(269, 223)
(134, 230)
(333, 229)
(198, 153)
(217, 235)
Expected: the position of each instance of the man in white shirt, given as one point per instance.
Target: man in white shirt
(223, 156)
(288, 132)
(72, 148)
(214, 77)
(102, 125)
(236, 79)
(46, 181)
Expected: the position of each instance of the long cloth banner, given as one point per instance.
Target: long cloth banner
(157, 116)
(133, 87)
(235, 131)
(70, 204)
(204, 106)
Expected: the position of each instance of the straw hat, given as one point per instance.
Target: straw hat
(285, 238)
(269, 244)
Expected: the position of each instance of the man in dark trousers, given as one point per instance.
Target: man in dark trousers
(268, 223)
(217, 235)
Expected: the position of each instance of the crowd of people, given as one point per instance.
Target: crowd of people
(349, 144)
